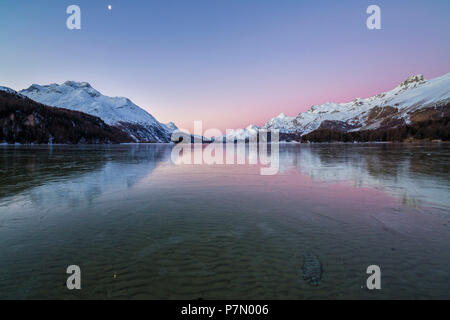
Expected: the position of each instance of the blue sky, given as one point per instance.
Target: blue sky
(228, 63)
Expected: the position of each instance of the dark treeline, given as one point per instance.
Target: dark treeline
(23, 120)
(423, 130)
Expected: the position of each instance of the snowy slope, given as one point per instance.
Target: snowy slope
(281, 122)
(26, 121)
(8, 90)
(171, 126)
(116, 111)
(413, 94)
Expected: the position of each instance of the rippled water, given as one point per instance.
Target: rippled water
(140, 226)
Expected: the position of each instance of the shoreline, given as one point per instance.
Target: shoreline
(408, 142)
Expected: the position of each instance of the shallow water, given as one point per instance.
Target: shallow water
(140, 226)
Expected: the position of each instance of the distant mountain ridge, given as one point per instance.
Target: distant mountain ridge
(115, 111)
(9, 90)
(413, 100)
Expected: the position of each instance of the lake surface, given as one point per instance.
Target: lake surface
(141, 227)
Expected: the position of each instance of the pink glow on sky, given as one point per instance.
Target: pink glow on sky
(228, 63)
(257, 108)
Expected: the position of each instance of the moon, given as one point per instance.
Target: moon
(109, 7)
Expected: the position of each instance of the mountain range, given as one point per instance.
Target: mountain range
(414, 100)
(417, 108)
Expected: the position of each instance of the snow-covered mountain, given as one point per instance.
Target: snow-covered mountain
(282, 122)
(171, 126)
(241, 134)
(115, 111)
(396, 107)
(23, 120)
(10, 91)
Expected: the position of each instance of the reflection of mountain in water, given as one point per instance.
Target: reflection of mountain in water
(414, 173)
(73, 174)
(81, 172)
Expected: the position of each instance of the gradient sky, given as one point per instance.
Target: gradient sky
(226, 62)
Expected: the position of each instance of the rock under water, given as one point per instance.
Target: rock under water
(312, 269)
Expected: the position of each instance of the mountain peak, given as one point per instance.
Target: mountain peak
(8, 90)
(252, 127)
(11, 91)
(76, 84)
(419, 78)
(72, 84)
